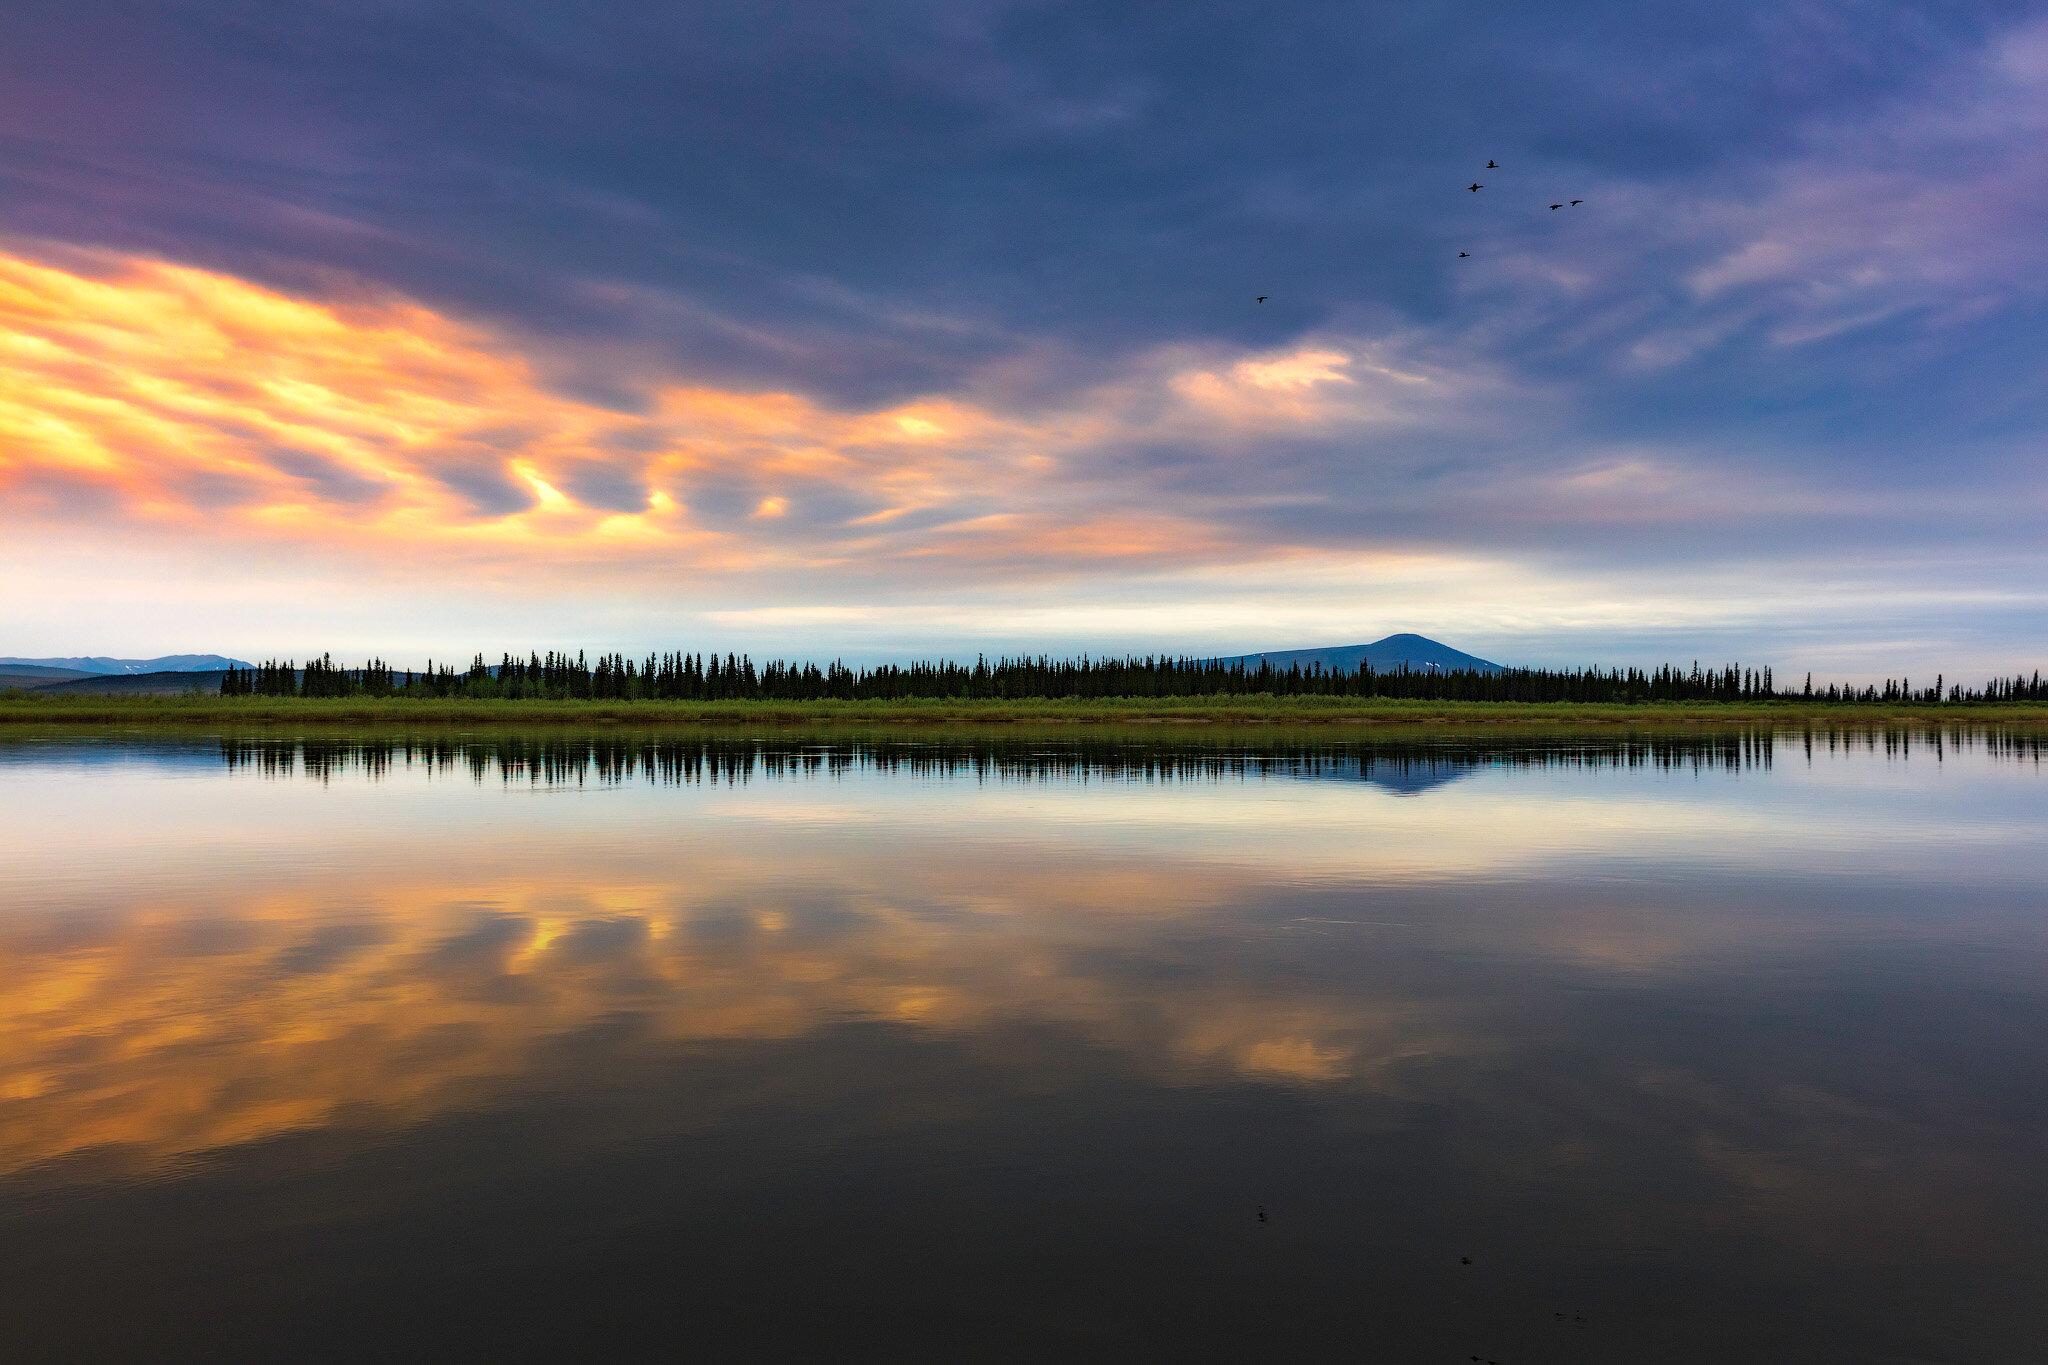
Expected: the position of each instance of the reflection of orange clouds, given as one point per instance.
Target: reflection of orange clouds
(417, 1002)
(189, 399)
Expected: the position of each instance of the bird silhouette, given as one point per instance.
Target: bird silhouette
(1557, 206)
(1464, 1260)
(1492, 166)
(1475, 187)
(1463, 254)
(1264, 297)
(1577, 202)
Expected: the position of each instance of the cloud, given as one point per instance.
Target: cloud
(1860, 293)
(209, 405)
(141, 381)
(1932, 209)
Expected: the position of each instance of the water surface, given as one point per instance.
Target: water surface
(1694, 1047)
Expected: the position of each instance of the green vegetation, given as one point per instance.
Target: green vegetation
(408, 711)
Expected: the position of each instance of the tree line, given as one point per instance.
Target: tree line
(556, 676)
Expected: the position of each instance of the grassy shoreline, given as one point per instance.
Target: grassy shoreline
(274, 712)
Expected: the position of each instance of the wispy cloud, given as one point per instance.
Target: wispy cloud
(174, 397)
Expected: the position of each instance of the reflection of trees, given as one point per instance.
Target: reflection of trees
(1407, 765)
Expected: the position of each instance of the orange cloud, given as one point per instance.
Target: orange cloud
(1307, 386)
(139, 394)
(195, 397)
(201, 404)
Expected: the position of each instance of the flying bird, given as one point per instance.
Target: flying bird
(1577, 202)
(1557, 206)
(1264, 297)
(1475, 187)
(1492, 166)
(1463, 254)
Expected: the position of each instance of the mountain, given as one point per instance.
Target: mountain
(1418, 652)
(25, 680)
(169, 663)
(168, 683)
(42, 671)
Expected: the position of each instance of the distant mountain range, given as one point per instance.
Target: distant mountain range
(1418, 652)
(97, 667)
(172, 683)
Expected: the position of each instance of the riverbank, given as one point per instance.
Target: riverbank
(294, 713)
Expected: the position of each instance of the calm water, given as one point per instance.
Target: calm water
(1699, 1050)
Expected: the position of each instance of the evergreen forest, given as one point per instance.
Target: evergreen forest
(556, 676)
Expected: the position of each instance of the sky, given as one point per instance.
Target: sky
(908, 328)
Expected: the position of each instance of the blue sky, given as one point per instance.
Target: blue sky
(911, 327)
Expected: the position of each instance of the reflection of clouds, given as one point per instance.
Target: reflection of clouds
(172, 1031)
(1808, 1162)
(182, 1022)
(1532, 951)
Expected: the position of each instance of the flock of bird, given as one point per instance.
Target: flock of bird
(1479, 185)
(1475, 187)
